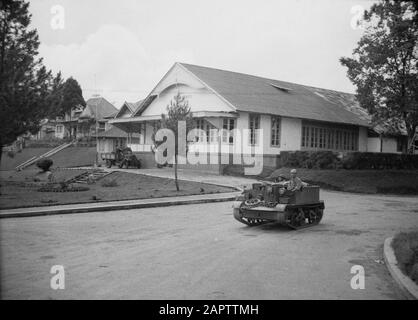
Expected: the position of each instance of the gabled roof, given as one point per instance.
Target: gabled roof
(261, 95)
(129, 106)
(100, 105)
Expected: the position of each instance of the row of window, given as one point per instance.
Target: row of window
(229, 124)
(314, 136)
(254, 125)
(321, 137)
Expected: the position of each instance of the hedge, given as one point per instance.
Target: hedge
(350, 160)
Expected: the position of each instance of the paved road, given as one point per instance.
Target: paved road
(200, 252)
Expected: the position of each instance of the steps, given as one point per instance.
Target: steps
(95, 174)
(32, 160)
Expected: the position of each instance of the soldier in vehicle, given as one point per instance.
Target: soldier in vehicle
(294, 184)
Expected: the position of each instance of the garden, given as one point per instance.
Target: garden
(35, 186)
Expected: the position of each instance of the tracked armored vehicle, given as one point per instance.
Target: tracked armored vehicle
(264, 203)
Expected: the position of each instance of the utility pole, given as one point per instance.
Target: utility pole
(96, 118)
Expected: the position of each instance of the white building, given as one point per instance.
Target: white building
(291, 116)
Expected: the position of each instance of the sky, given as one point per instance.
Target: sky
(121, 49)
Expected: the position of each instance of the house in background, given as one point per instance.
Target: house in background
(49, 129)
(113, 137)
(82, 122)
(292, 116)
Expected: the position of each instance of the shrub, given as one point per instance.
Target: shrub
(63, 185)
(350, 160)
(109, 183)
(44, 164)
(405, 246)
(414, 272)
(324, 160)
(10, 154)
(309, 159)
(378, 161)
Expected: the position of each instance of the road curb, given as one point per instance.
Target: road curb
(115, 205)
(405, 283)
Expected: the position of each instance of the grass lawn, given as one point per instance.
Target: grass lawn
(405, 246)
(74, 157)
(362, 181)
(69, 157)
(18, 191)
(8, 163)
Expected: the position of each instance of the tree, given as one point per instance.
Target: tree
(384, 66)
(25, 84)
(64, 96)
(72, 95)
(55, 97)
(177, 110)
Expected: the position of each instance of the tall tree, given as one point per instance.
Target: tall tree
(64, 96)
(72, 95)
(55, 98)
(177, 110)
(384, 66)
(24, 82)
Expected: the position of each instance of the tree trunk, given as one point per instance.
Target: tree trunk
(411, 140)
(175, 172)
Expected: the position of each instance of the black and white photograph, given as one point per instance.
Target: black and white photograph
(224, 152)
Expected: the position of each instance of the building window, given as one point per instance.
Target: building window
(207, 134)
(227, 133)
(275, 131)
(324, 137)
(254, 125)
(200, 124)
(102, 126)
(59, 129)
(142, 132)
(213, 135)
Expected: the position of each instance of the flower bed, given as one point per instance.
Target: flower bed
(127, 186)
(58, 188)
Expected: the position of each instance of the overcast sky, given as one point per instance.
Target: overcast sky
(121, 49)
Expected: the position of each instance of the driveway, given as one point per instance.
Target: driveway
(193, 175)
(201, 252)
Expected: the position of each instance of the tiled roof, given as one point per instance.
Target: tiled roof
(349, 102)
(131, 106)
(261, 95)
(104, 109)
